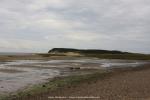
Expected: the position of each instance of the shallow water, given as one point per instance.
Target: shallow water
(18, 74)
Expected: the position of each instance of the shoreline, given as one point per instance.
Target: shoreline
(47, 56)
(58, 84)
(54, 85)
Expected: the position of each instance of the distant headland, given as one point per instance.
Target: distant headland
(84, 51)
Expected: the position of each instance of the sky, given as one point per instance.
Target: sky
(39, 25)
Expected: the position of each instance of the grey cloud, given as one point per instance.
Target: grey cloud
(102, 24)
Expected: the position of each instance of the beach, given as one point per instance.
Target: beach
(34, 77)
(119, 85)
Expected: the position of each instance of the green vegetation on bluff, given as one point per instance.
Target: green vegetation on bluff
(85, 51)
(102, 54)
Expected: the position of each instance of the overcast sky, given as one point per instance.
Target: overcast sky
(39, 25)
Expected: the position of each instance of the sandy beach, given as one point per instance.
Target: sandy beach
(93, 78)
(128, 84)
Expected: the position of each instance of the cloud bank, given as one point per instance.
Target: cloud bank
(39, 25)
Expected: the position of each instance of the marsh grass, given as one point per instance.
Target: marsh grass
(121, 56)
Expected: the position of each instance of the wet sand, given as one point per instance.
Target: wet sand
(11, 71)
(18, 74)
(128, 84)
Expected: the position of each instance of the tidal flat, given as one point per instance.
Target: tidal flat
(18, 75)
